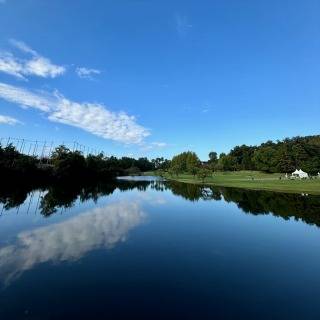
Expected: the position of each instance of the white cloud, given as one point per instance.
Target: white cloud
(26, 98)
(34, 66)
(9, 120)
(159, 144)
(42, 67)
(10, 65)
(87, 73)
(23, 47)
(96, 119)
(69, 240)
(182, 24)
(91, 117)
(145, 147)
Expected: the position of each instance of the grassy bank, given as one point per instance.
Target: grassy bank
(253, 180)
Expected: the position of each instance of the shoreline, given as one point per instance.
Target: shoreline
(260, 181)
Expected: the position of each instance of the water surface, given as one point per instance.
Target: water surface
(148, 249)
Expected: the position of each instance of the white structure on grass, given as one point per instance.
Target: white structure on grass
(299, 174)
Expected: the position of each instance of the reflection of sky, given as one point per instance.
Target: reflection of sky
(71, 239)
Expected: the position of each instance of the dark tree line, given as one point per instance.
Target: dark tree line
(66, 165)
(280, 156)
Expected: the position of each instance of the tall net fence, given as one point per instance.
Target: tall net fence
(43, 149)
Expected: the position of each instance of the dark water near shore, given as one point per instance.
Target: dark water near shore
(147, 249)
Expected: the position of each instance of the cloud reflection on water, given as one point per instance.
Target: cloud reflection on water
(69, 240)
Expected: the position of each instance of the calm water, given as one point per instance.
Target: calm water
(157, 250)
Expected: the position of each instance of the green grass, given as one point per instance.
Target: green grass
(260, 181)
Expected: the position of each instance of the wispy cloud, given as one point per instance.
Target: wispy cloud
(182, 24)
(26, 98)
(87, 73)
(159, 144)
(153, 145)
(36, 65)
(91, 117)
(205, 110)
(10, 65)
(23, 47)
(9, 120)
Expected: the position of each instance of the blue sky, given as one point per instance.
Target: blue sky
(151, 78)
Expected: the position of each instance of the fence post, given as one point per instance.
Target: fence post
(50, 152)
(22, 146)
(42, 153)
(29, 148)
(35, 149)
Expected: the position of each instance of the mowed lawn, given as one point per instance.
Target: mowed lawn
(255, 180)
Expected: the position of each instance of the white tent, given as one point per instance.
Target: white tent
(299, 174)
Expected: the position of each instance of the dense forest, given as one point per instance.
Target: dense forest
(281, 156)
(66, 165)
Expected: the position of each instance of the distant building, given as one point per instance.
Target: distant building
(299, 174)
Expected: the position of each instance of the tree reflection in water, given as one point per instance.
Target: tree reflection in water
(55, 197)
(285, 205)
